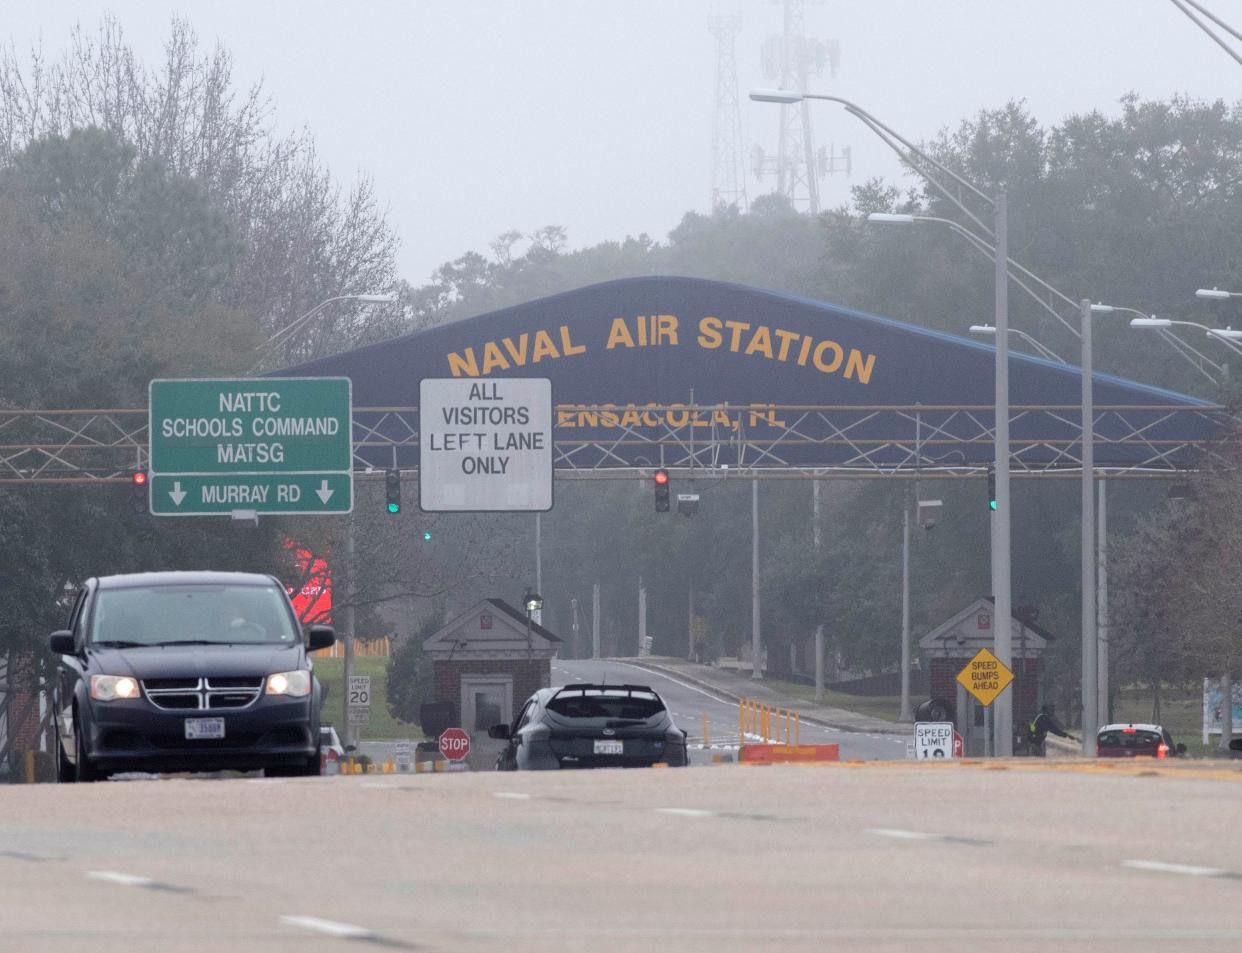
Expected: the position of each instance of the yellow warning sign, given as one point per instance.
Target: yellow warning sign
(985, 676)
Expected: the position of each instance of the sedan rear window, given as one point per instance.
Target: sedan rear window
(193, 614)
(638, 705)
(1129, 739)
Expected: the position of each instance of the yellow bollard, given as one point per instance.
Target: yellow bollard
(797, 729)
(390, 766)
(705, 741)
(28, 760)
(741, 722)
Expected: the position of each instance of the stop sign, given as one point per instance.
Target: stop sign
(454, 744)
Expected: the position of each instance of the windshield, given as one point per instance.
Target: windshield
(192, 614)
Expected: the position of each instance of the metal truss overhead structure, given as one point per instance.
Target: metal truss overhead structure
(87, 446)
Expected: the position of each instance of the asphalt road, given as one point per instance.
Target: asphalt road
(877, 857)
(689, 702)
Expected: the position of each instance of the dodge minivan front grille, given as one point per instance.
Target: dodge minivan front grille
(198, 694)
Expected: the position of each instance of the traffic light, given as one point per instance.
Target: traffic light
(991, 488)
(392, 487)
(426, 536)
(661, 491)
(138, 491)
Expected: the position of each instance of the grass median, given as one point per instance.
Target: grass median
(382, 726)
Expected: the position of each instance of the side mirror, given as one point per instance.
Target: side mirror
(320, 637)
(499, 731)
(61, 642)
(1181, 748)
(350, 748)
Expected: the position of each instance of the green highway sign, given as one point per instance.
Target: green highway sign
(264, 493)
(269, 445)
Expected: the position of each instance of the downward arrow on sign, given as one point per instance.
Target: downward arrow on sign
(323, 492)
(177, 493)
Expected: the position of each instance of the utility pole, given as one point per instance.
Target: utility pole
(906, 714)
(595, 621)
(539, 563)
(690, 629)
(573, 613)
(642, 617)
(755, 648)
(1090, 707)
(817, 536)
(350, 588)
(1101, 569)
(1002, 721)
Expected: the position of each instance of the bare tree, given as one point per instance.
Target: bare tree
(305, 238)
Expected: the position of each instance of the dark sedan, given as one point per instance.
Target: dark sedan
(180, 671)
(591, 726)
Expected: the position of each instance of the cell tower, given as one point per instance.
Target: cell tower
(728, 157)
(791, 58)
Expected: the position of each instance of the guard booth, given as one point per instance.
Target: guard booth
(949, 646)
(487, 660)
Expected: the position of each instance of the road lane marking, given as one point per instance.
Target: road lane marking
(133, 880)
(896, 834)
(511, 795)
(902, 835)
(1185, 869)
(685, 811)
(345, 931)
(116, 877)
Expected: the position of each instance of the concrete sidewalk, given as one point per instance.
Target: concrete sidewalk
(735, 686)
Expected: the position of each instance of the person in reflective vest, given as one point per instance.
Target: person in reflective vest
(1040, 726)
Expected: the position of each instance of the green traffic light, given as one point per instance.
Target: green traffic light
(394, 507)
(426, 536)
(992, 503)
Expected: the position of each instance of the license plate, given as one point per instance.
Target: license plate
(202, 728)
(608, 747)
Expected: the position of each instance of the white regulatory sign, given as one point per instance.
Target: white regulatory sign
(359, 689)
(933, 739)
(485, 444)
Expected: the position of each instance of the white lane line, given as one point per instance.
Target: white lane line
(902, 835)
(116, 877)
(685, 811)
(331, 928)
(1163, 868)
(511, 795)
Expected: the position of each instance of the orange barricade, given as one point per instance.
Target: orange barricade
(788, 754)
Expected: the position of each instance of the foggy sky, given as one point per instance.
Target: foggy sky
(478, 116)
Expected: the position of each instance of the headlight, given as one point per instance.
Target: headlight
(106, 688)
(295, 684)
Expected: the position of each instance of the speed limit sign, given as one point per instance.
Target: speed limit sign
(359, 691)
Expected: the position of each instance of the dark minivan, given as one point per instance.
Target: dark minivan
(186, 671)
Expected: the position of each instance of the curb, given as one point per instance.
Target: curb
(725, 695)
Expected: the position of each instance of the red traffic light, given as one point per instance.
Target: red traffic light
(139, 477)
(661, 477)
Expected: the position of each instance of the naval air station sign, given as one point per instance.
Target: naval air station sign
(485, 445)
(259, 445)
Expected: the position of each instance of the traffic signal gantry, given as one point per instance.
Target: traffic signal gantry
(661, 490)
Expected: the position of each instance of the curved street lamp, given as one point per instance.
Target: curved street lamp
(1002, 588)
(284, 334)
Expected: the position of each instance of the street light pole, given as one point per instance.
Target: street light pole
(755, 671)
(1002, 722)
(906, 714)
(1090, 707)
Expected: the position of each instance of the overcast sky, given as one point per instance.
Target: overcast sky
(479, 116)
